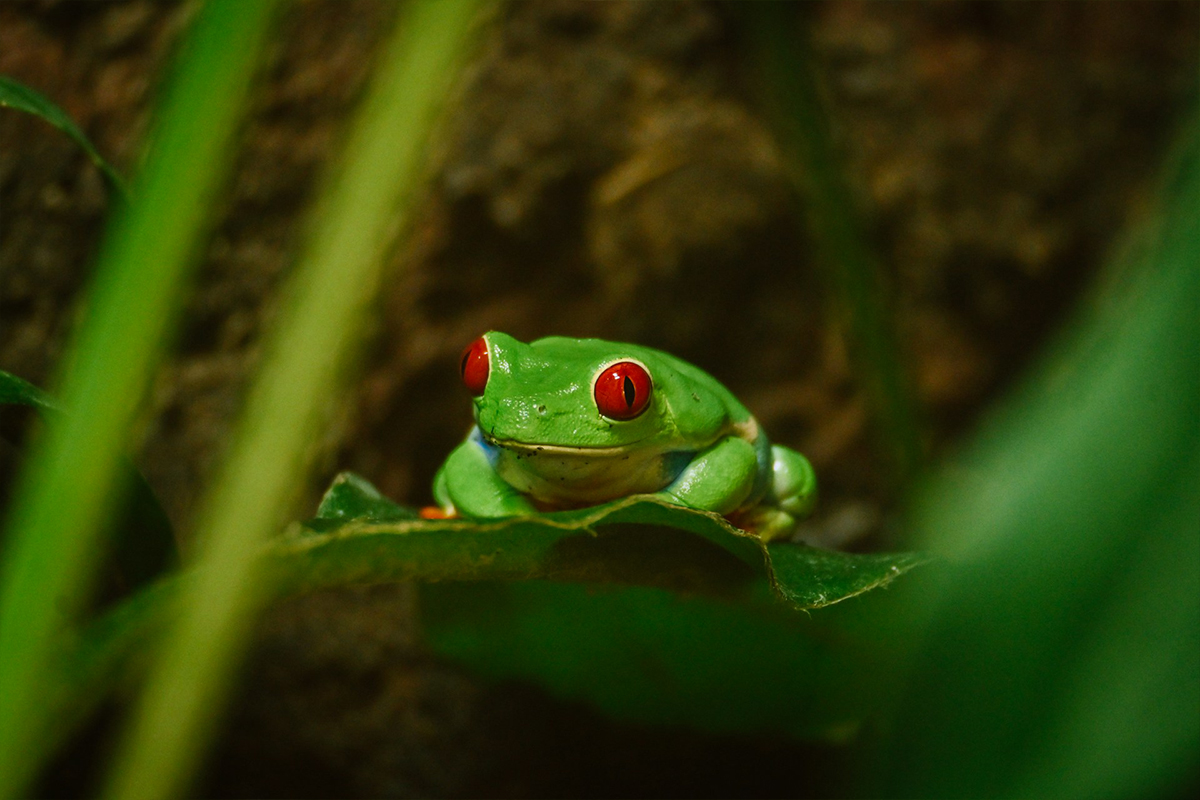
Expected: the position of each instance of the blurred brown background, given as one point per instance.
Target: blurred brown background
(605, 170)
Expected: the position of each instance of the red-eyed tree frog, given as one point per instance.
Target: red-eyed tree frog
(567, 423)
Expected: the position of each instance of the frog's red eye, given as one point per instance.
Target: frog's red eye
(623, 390)
(474, 366)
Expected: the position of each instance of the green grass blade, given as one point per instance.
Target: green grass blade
(782, 55)
(22, 98)
(334, 284)
(20, 392)
(67, 490)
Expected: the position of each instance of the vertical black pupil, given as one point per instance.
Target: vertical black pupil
(630, 392)
(462, 368)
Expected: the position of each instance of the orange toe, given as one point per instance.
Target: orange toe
(433, 512)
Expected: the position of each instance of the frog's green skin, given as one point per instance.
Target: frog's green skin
(540, 442)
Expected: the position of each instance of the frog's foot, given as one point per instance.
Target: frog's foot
(433, 512)
(793, 482)
(766, 522)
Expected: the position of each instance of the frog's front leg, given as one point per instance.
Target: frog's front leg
(792, 496)
(468, 485)
(718, 479)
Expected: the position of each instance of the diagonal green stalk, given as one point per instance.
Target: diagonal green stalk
(70, 487)
(333, 286)
(850, 263)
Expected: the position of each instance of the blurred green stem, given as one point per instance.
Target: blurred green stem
(69, 487)
(330, 296)
(785, 65)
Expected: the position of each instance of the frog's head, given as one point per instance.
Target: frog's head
(562, 394)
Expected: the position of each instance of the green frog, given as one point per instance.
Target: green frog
(568, 423)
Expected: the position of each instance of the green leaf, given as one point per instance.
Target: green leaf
(810, 578)
(648, 611)
(143, 539)
(654, 656)
(639, 540)
(654, 593)
(20, 97)
(20, 392)
(353, 497)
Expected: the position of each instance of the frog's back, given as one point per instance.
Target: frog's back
(737, 412)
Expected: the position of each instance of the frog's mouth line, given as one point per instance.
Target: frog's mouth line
(526, 448)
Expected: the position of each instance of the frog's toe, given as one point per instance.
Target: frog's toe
(794, 482)
(436, 512)
(766, 522)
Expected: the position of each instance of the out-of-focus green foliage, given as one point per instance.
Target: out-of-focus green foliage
(70, 484)
(656, 656)
(1062, 656)
(780, 48)
(143, 541)
(320, 326)
(19, 96)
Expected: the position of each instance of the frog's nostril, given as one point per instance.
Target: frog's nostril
(541, 409)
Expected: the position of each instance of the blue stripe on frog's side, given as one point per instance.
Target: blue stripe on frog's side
(674, 463)
(491, 451)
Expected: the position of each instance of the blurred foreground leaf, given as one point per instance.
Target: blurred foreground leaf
(14, 94)
(1062, 655)
(143, 540)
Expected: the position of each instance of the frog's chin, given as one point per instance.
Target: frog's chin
(533, 448)
(559, 475)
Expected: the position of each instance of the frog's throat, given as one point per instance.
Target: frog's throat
(746, 429)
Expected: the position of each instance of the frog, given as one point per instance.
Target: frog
(566, 423)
